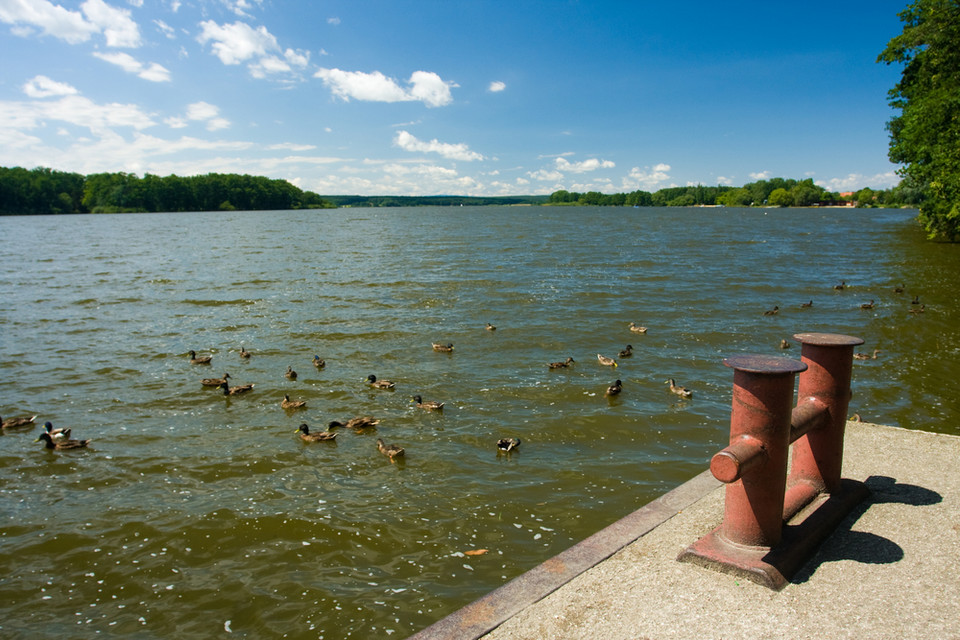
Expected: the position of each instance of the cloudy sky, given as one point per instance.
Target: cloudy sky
(471, 97)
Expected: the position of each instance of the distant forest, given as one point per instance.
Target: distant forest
(46, 191)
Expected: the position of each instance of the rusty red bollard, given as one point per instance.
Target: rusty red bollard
(756, 539)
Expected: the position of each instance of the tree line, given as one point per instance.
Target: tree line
(46, 191)
(776, 192)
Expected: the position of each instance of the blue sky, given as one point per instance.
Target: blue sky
(470, 97)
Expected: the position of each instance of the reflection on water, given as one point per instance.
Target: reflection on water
(193, 514)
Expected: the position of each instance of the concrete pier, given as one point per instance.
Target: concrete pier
(890, 570)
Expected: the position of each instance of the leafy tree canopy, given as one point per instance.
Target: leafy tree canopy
(925, 137)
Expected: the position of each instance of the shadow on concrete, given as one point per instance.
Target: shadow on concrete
(865, 547)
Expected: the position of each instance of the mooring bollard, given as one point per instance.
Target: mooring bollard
(764, 536)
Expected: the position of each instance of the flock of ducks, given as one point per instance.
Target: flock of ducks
(53, 438)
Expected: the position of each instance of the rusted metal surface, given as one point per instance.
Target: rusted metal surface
(767, 533)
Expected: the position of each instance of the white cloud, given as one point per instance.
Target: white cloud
(44, 87)
(856, 181)
(237, 42)
(646, 179)
(496, 87)
(591, 164)
(333, 21)
(724, 181)
(175, 122)
(202, 111)
(544, 175)
(427, 87)
(118, 27)
(50, 19)
(165, 29)
(459, 151)
(153, 73)
(760, 175)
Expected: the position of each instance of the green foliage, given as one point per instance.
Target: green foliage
(925, 137)
(47, 191)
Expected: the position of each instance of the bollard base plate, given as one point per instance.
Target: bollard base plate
(773, 567)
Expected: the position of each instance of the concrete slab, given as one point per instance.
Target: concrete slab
(888, 571)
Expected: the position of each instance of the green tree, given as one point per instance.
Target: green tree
(925, 137)
(780, 197)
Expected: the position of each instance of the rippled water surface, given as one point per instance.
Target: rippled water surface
(193, 515)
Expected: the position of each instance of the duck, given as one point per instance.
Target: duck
(840, 287)
(444, 348)
(916, 300)
(56, 434)
(866, 356)
(235, 391)
(17, 423)
(433, 405)
(867, 305)
(626, 352)
(919, 309)
(289, 404)
(215, 382)
(195, 359)
(319, 362)
(637, 328)
(561, 365)
(506, 445)
(898, 288)
(683, 392)
(806, 305)
(392, 451)
(360, 422)
(784, 344)
(51, 443)
(605, 361)
(244, 353)
(772, 312)
(290, 374)
(379, 384)
(490, 327)
(306, 436)
(614, 389)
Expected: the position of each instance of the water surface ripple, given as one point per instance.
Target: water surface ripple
(193, 514)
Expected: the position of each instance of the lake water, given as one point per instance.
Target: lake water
(193, 515)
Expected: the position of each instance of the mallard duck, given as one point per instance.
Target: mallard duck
(683, 392)
(51, 443)
(772, 312)
(392, 451)
(784, 344)
(379, 384)
(360, 422)
(637, 328)
(195, 359)
(287, 403)
(433, 405)
(614, 389)
(867, 305)
(235, 391)
(806, 305)
(561, 365)
(17, 423)
(898, 288)
(319, 362)
(215, 382)
(840, 287)
(444, 348)
(306, 436)
(490, 327)
(626, 352)
(916, 300)
(855, 418)
(290, 374)
(507, 445)
(244, 353)
(866, 356)
(56, 434)
(605, 361)
(919, 309)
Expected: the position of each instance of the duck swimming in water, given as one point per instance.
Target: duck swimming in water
(561, 365)
(379, 384)
(392, 451)
(683, 392)
(51, 443)
(432, 405)
(605, 361)
(195, 359)
(306, 436)
(614, 389)
(506, 445)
